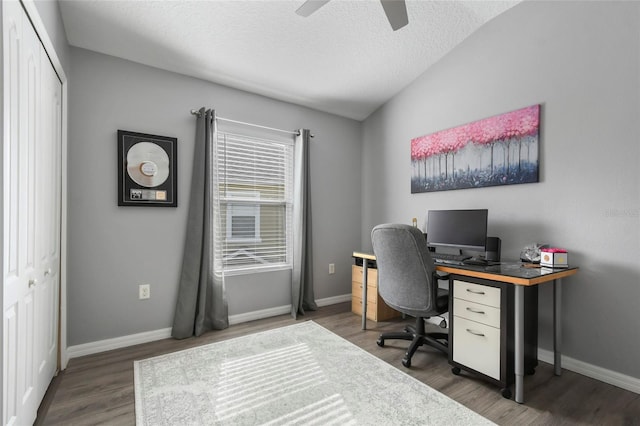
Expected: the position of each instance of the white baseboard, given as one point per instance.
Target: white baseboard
(602, 374)
(333, 300)
(117, 343)
(281, 310)
(150, 336)
(256, 315)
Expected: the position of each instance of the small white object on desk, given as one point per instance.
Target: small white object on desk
(554, 258)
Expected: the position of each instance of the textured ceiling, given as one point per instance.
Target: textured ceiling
(343, 59)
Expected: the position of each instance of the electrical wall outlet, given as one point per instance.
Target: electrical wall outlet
(144, 291)
(332, 268)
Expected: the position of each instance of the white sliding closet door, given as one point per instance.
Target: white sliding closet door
(31, 205)
(48, 193)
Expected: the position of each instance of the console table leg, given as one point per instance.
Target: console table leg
(364, 293)
(519, 343)
(557, 327)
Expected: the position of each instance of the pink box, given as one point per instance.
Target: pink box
(554, 258)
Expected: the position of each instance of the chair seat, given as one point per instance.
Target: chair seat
(441, 305)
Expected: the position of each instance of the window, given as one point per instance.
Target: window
(243, 219)
(255, 178)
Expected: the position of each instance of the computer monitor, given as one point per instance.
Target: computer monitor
(462, 229)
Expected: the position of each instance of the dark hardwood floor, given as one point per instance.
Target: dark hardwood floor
(98, 389)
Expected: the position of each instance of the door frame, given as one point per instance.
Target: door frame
(41, 31)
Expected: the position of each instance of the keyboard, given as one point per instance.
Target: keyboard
(475, 261)
(451, 259)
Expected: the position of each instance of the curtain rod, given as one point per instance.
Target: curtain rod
(297, 133)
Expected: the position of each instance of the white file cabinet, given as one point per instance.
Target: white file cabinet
(481, 330)
(476, 318)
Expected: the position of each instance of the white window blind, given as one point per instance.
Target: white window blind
(255, 177)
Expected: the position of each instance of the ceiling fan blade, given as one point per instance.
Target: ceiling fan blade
(310, 6)
(396, 11)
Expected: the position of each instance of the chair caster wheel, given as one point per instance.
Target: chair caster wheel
(506, 393)
(456, 371)
(380, 342)
(406, 362)
(530, 372)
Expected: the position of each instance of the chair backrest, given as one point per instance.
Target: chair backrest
(405, 269)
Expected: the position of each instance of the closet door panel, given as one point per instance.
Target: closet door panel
(13, 283)
(48, 218)
(31, 209)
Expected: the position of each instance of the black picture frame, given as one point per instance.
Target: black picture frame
(147, 170)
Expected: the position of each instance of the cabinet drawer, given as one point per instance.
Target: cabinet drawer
(372, 275)
(477, 293)
(372, 291)
(372, 308)
(477, 312)
(476, 346)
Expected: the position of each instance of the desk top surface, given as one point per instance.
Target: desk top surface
(511, 272)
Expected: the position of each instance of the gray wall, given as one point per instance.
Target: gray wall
(114, 249)
(49, 12)
(581, 62)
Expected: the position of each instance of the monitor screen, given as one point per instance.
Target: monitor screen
(464, 229)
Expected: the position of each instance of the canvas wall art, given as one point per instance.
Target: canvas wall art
(499, 150)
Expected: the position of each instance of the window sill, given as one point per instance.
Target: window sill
(256, 270)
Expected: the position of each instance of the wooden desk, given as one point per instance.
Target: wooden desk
(519, 276)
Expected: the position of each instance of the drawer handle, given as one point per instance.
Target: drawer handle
(475, 311)
(475, 333)
(475, 291)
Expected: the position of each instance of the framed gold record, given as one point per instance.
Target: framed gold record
(147, 170)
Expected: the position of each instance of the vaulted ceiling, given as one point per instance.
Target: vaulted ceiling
(344, 59)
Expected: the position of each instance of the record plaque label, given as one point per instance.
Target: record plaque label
(147, 170)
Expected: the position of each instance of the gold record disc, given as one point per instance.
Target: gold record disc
(147, 164)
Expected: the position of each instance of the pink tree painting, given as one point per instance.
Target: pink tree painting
(499, 150)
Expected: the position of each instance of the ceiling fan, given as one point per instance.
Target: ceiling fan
(396, 11)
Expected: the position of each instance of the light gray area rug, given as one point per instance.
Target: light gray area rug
(302, 374)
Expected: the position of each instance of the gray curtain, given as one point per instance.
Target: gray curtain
(202, 304)
(302, 275)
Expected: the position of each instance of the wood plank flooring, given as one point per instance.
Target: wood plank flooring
(98, 389)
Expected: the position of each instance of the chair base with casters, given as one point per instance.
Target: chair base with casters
(418, 337)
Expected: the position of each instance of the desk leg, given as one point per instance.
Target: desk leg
(519, 343)
(557, 327)
(364, 293)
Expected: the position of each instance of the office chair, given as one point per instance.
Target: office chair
(408, 282)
